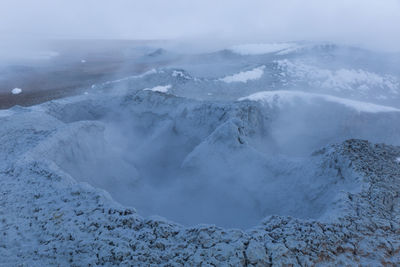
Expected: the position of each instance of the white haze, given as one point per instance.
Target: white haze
(368, 23)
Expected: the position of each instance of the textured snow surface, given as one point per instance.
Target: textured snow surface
(245, 76)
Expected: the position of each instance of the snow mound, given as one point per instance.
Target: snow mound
(245, 76)
(289, 97)
(16, 91)
(258, 49)
(160, 88)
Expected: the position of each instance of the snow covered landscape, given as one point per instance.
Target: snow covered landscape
(170, 167)
(179, 133)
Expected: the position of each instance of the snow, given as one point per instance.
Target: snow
(78, 174)
(180, 74)
(282, 97)
(245, 76)
(160, 88)
(16, 91)
(341, 80)
(258, 49)
(217, 138)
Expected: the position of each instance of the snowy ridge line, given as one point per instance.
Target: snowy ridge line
(245, 76)
(289, 97)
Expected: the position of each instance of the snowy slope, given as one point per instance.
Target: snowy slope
(352, 81)
(245, 76)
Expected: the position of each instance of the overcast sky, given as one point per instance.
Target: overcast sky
(371, 23)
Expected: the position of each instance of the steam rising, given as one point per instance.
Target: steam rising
(227, 136)
(368, 23)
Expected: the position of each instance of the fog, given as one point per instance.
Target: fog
(196, 154)
(367, 23)
(224, 163)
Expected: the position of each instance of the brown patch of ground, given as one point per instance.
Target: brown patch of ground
(67, 75)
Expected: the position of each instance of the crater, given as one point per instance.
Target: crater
(198, 162)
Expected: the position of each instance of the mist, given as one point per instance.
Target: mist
(202, 153)
(372, 24)
(199, 133)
